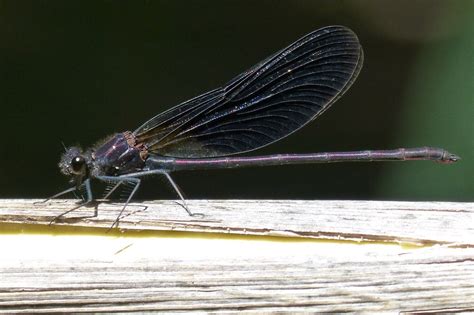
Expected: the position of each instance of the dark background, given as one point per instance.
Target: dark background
(77, 71)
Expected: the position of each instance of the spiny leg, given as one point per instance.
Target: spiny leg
(173, 184)
(86, 203)
(72, 189)
(89, 200)
(119, 181)
(135, 189)
(78, 194)
(107, 195)
(180, 194)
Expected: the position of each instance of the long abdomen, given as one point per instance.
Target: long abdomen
(423, 153)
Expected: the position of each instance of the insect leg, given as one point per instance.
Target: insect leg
(172, 182)
(119, 181)
(179, 192)
(72, 189)
(89, 200)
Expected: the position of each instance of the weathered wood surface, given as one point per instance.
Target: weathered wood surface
(392, 221)
(437, 279)
(186, 272)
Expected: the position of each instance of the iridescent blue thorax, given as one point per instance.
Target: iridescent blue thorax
(120, 154)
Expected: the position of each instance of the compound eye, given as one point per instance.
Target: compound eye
(77, 164)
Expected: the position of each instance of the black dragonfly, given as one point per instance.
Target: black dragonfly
(264, 104)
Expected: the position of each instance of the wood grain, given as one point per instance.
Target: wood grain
(315, 267)
(389, 221)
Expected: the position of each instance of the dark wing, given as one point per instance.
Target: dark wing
(264, 104)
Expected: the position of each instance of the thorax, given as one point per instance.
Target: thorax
(118, 155)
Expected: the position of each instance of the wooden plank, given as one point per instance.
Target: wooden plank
(213, 275)
(381, 221)
(54, 270)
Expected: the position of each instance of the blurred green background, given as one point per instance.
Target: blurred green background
(77, 71)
